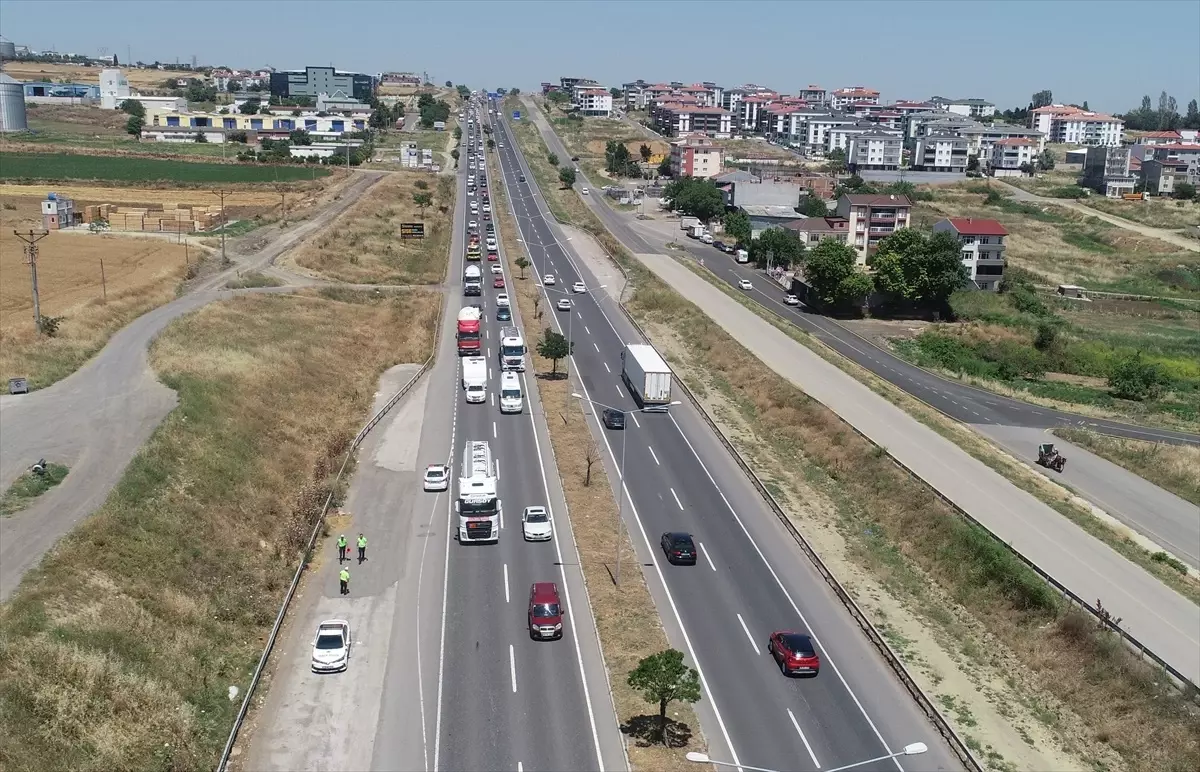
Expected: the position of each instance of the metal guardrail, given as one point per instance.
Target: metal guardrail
(312, 540)
(931, 712)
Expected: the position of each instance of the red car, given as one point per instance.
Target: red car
(499, 282)
(545, 612)
(493, 257)
(794, 653)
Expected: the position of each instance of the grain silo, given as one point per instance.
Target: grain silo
(12, 105)
(8, 50)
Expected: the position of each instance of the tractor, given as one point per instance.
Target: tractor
(1049, 457)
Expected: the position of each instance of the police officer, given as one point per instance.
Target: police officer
(341, 544)
(344, 578)
(362, 548)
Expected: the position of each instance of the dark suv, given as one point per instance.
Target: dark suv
(680, 548)
(612, 418)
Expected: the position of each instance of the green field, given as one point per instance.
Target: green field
(64, 166)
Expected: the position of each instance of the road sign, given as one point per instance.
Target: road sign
(412, 230)
(516, 115)
(493, 95)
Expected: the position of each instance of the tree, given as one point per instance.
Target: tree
(458, 132)
(514, 91)
(464, 93)
(1046, 160)
(449, 84)
(737, 225)
(1042, 98)
(299, 137)
(811, 206)
(134, 126)
(421, 185)
(422, 200)
(555, 346)
(591, 454)
(491, 144)
(1185, 191)
(522, 263)
(832, 271)
(1192, 119)
(920, 270)
(778, 246)
(566, 176)
(454, 154)
(133, 107)
(664, 168)
(249, 107)
(663, 678)
(1134, 378)
(1047, 334)
(199, 137)
(695, 197)
(645, 151)
(553, 159)
(618, 161)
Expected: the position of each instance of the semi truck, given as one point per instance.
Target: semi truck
(473, 247)
(478, 504)
(647, 377)
(469, 322)
(472, 280)
(512, 350)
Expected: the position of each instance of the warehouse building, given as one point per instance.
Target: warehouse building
(314, 81)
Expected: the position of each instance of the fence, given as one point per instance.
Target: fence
(312, 540)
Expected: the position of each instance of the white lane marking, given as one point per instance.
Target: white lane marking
(746, 630)
(800, 731)
(579, 314)
(653, 455)
(706, 557)
(512, 670)
(585, 328)
(597, 348)
(493, 430)
(676, 497)
(501, 518)
(617, 386)
(606, 367)
(635, 421)
(507, 599)
(492, 400)
(520, 768)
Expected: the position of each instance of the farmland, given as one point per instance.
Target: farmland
(82, 128)
(142, 79)
(66, 166)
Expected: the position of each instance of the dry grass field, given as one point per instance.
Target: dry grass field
(143, 79)
(118, 651)
(140, 274)
(363, 245)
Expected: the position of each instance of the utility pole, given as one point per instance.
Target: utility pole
(31, 255)
(224, 223)
(282, 191)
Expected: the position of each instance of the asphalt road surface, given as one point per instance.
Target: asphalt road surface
(96, 419)
(751, 578)
(1160, 517)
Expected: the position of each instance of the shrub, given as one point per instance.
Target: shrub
(1134, 378)
(1046, 336)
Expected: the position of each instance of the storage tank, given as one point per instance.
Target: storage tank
(8, 50)
(12, 104)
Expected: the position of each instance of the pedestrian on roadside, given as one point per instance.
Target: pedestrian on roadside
(362, 548)
(341, 542)
(344, 578)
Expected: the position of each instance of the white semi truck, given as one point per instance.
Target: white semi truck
(647, 377)
(512, 349)
(478, 503)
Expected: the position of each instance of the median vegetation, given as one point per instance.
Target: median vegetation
(26, 488)
(119, 651)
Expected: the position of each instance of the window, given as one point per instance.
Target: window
(172, 120)
(256, 123)
(966, 255)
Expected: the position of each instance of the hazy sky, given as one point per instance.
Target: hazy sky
(1108, 53)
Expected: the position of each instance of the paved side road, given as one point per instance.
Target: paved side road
(96, 419)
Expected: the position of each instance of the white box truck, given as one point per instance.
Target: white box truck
(647, 377)
(474, 379)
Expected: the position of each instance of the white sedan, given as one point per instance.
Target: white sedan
(331, 646)
(792, 300)
(497, 268)
(502, 300)
(536, 525)
(578, 287)
(745, 284)
(473, 225)
(548, 280)
(585, 191)
(437, 477)
(564, 304)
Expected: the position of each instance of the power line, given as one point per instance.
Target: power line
(31, 256)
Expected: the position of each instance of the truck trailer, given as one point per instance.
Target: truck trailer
(647, 377)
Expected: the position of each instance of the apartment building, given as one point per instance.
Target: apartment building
(888, 119)
(1168, 165)
(673, 119)
(813, 95)
(1106, 170)
(982, 243)
(982, 136)
(814, 230)
(940, 153)
(630, 93)
(749, 109)
(596, 102)
(844, 97)
(696, 157)
(1011, 157)
(819, 127)
(918, 124)
(971, 108)
(871, 217)
(1075, 126)
(874, 150)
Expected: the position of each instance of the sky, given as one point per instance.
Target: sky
(1002, 50)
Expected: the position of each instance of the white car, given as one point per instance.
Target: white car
(331, 646)
(502, 300)
(536, 525)
(578, 287)
(497, 268)
(487, 207)
(548, 280)
(745, 284)
(473, 225)
(564, 304)
(585, 191)
(437, 477)
(792, 300)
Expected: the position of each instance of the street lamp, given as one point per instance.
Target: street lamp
(912, 749)
(620, 473)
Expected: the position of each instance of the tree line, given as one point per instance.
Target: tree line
(1146, 117)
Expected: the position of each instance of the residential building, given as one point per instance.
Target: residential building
(336, 102)
(749, 109)
(114, 88)
(982, 244)
(871, 217)
(1168, 165)
(696, 157)
(1106, 170)
(874, 150)
(907, 108)
(567, 85)
(410, 79)
(1012, 157)
(813, 230)
(940, 153)
(675, 119)
(763, 217)
(314, 81)
(818, 127)
(180, 126)
(839, 136)
(731, 99)
(971, 108)
(1075, 126)
(1151, 138)
(917, 124)
(981, 136)
(813, 95)
(844, 97)
(888, 119)
(630, 92)
(594, 101)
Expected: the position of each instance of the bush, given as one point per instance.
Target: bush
(1046, 336)
(1015, 360)
(1134, 378)
(1026, 300)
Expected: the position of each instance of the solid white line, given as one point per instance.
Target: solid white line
(677, 501)
(606, 367)
(437, 731)
(706, 557)
(800, 731)
(512, 669)
(653, 455)
(746, 630)
(507, 599)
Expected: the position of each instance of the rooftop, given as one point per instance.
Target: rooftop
(880, 199)
(969, 226)
(1014, 141)
(769, 211)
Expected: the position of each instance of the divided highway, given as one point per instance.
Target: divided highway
(750, 580)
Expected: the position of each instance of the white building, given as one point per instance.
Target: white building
(982, 248)
(844, 97)
(940, 153)
(114, 88)
(875, 150)
(1010, 155)
(1075, 126)
(323, 149)
(971, 108)
(594, 101)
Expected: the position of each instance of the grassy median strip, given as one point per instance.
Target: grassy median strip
(626, 617)
(26, 488)
(119, 651)
(1080, 684)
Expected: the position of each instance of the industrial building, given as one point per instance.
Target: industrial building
(313, 81)
(12, 105)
